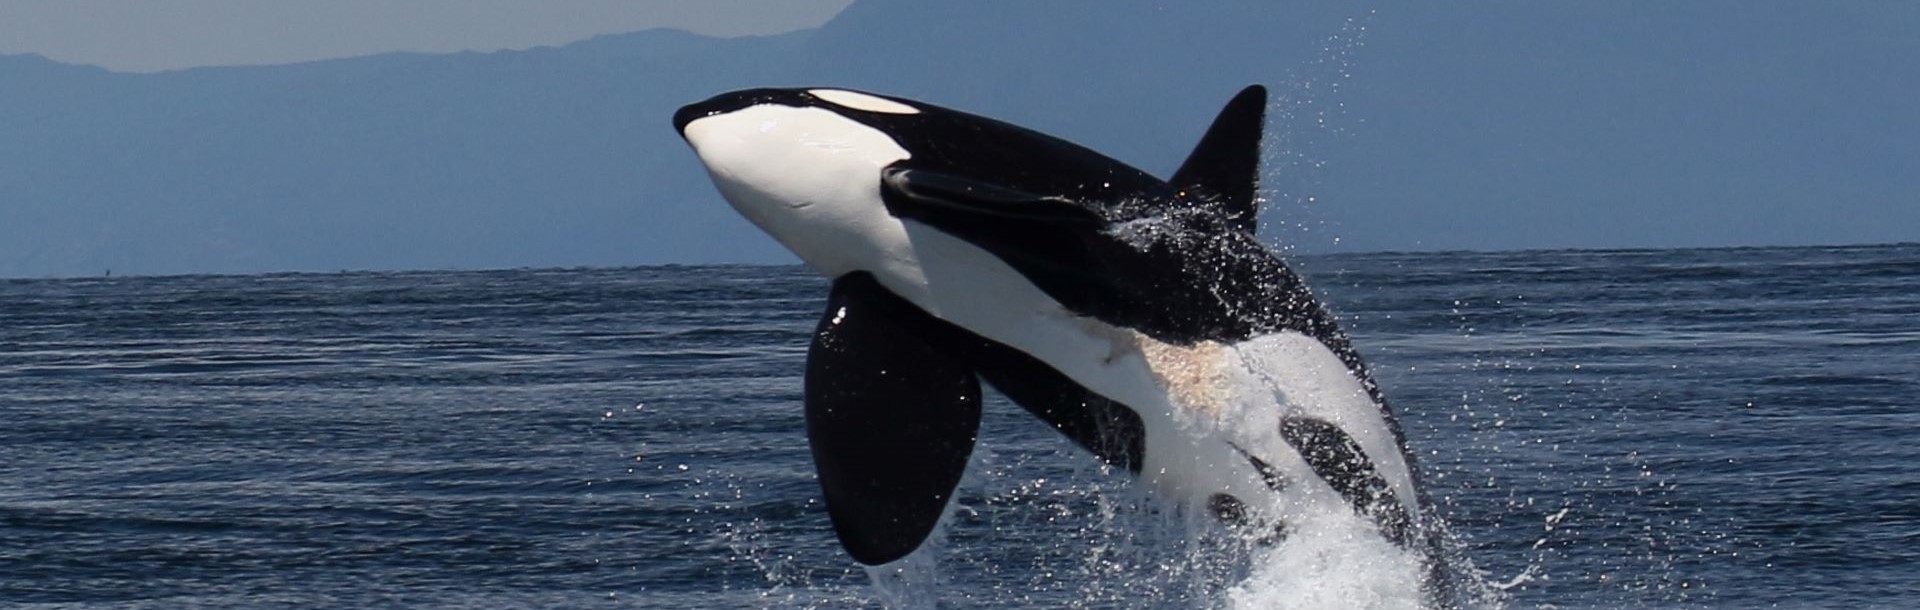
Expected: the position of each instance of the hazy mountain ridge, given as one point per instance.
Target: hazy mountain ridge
(539, 157)
(1515, 125)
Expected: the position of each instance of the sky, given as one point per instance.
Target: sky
(1419, 126)
(157, 35)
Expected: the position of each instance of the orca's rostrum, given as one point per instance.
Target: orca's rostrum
(1140, 317)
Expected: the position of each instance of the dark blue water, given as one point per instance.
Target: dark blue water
(1665, 429)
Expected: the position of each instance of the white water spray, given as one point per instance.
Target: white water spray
(1332, 562)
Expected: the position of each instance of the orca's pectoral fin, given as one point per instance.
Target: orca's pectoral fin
(1224, 169)
(1043, 235)
(1339, 460)
(891, 419)
(932, 193)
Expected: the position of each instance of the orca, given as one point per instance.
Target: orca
(1140, 317)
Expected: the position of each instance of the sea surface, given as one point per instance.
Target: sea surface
(1723, 428)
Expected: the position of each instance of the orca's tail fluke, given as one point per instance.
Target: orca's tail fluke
(1224, 169)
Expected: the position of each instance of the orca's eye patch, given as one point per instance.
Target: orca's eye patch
(862, 101)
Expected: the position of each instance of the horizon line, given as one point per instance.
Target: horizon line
(108, 273)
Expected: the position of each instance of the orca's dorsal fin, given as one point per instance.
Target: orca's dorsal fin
(1224, 170)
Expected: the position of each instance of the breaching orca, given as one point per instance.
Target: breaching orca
(1140, 317)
